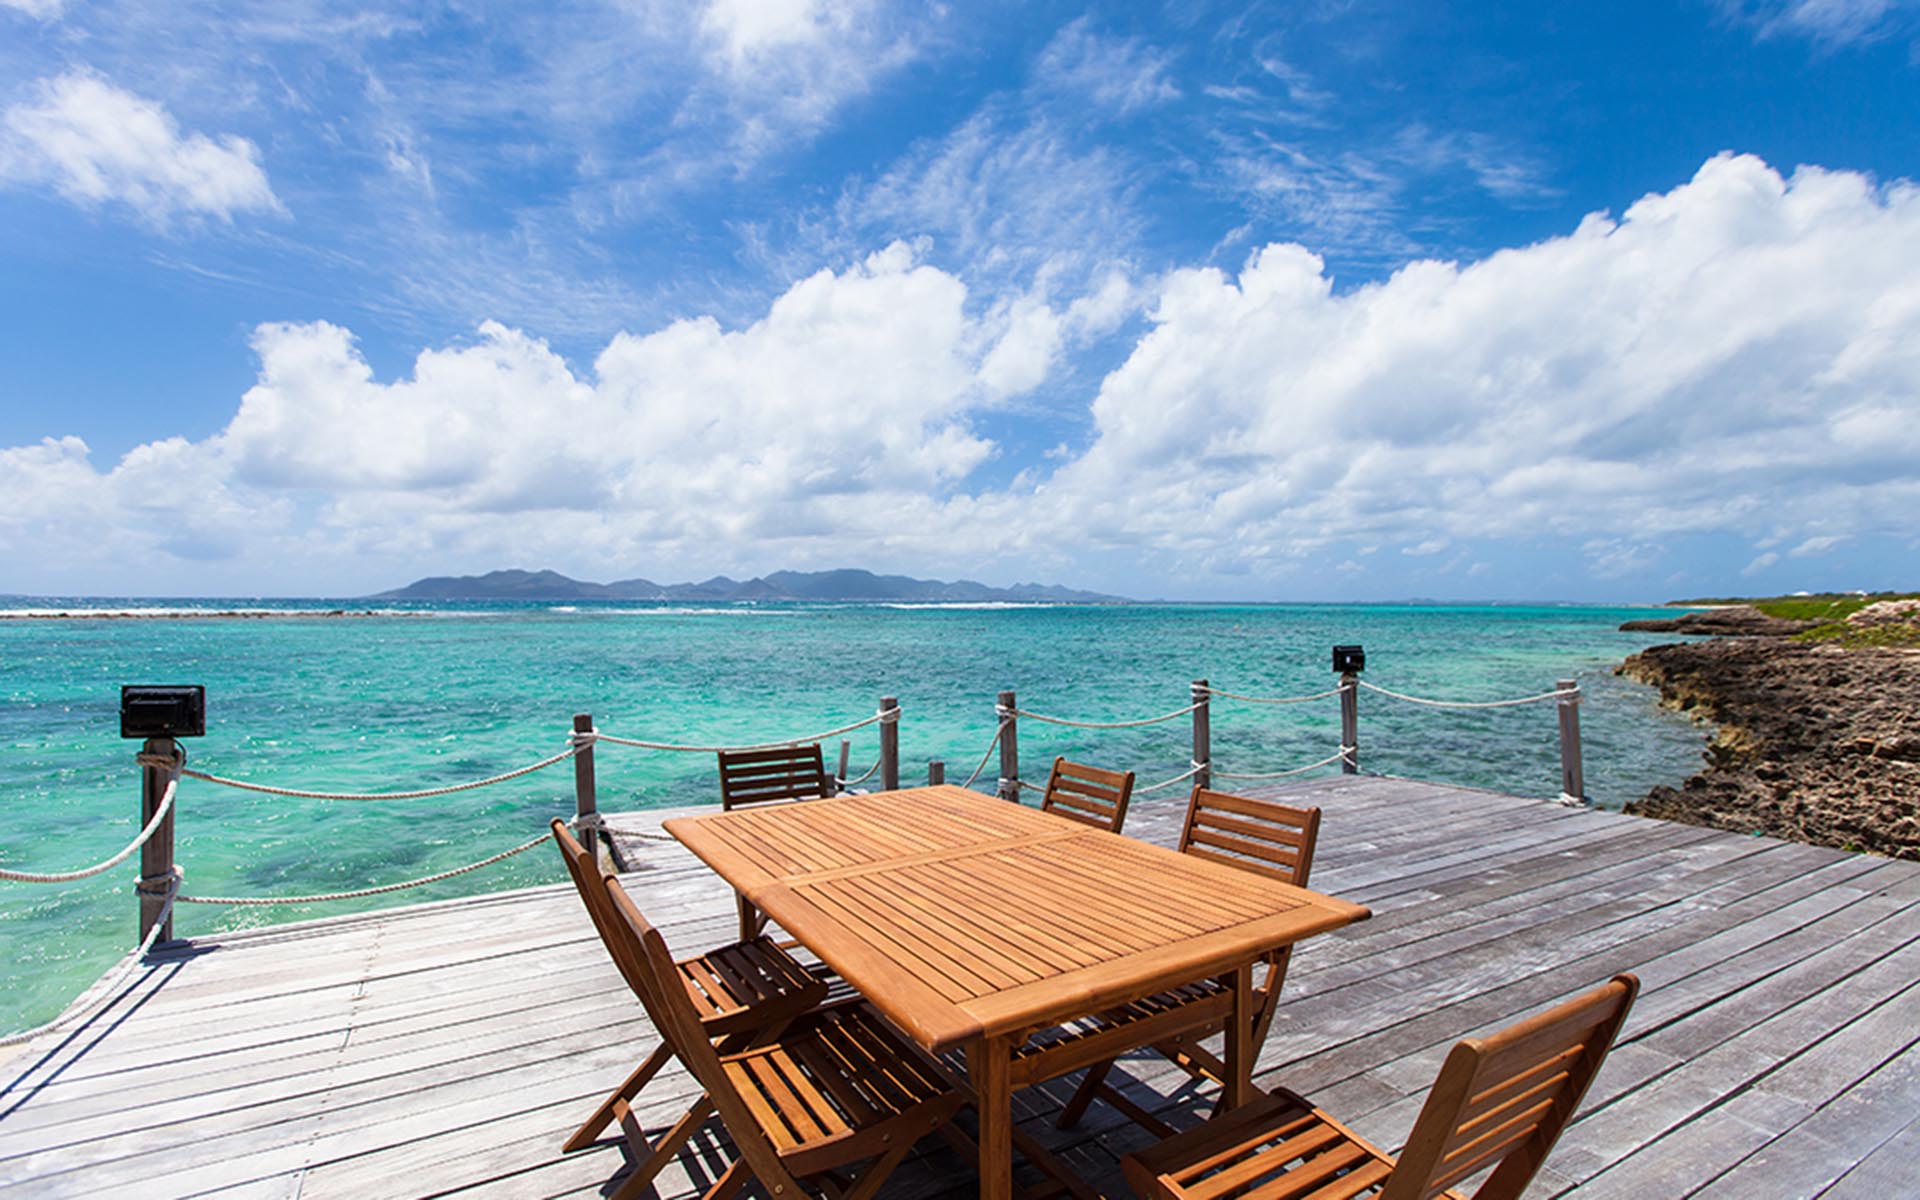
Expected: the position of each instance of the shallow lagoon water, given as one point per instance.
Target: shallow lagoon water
(431, 694)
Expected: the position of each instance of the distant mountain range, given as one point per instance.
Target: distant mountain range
(850, 585)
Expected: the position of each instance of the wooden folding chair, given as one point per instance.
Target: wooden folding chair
(763, 776)
(766, 777)
(838, 1086)
(738, 993)
(1264, 837)
(1499, 1104)
(1090, 795)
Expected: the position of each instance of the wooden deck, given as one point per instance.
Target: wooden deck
(451, 1047)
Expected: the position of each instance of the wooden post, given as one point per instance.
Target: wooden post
(156, 857)
(846, 764)
(585, 797)
(889, 745)
(1202, 733)
(1349, 723)
(1573, 784)
(1009, 749)
(936, 771)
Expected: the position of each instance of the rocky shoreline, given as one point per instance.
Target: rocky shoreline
(1816, 741)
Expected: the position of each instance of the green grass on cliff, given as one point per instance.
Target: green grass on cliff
(1862, 635)
(1823, 606)
(1832, 609)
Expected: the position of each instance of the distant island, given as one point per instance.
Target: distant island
(846, 585)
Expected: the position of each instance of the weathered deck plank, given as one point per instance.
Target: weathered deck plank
(451, 1047)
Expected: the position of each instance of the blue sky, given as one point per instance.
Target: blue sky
(1296, 301)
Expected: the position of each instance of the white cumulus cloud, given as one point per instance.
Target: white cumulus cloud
(1738, 345)
(841, 409)
(94, 143)
(1735, 357)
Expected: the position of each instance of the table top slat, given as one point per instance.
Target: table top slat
(1006, 954)
(1014, 923)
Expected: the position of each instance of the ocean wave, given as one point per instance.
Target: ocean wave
(742, 610)
(968, 604)
(123, 612)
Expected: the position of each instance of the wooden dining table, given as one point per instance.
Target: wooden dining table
(968, 921)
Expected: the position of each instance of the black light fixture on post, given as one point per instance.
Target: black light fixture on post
(159, 714)
(1349, 661)
(163, 711)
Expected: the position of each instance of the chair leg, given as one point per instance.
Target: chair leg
(609, 1108)
(871, 1178)
(1196, 1060)
(670, 1142)
(1089, 1087)
(730, 1183)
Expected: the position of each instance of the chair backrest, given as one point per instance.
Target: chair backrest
(642, 954)
(1088, 794)
(585, 873)
(782, 773)
(1503, 1101)
(1262, 836)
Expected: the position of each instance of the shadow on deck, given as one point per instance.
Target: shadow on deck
(453, 1046)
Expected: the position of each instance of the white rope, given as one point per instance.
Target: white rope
(373, 891)
(1327, 761)
(159, 815)
(105, 990)
(888, 717)
(636, 834)
(847, 783)
(1553, 695)
(997, 735)
(1178, 712)
(1332, 691)
(1187, 774)
(415, 795)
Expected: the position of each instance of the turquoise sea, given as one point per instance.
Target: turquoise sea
(440, 693)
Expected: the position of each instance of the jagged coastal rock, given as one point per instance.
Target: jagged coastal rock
(1737, 621)
(1817, 741)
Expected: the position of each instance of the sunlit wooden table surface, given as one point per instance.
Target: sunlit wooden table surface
(969, 921)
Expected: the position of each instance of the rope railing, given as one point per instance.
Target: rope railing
(1328, 761)
(105, 990)
(1556, 694)
(1189, 773)
(1226, 695)
(873, 770)
(420, 794)
(886, 716)
(159, 816)
(1034, 716)
(258, 901)
(166, 770)
(998, 733)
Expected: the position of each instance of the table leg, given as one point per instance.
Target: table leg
(1239, 1048)
(749, 917)
(989, 1066)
